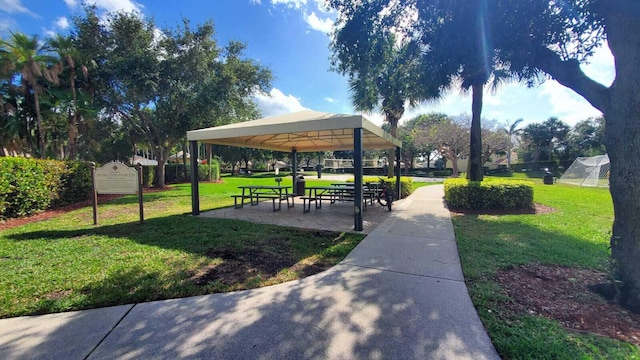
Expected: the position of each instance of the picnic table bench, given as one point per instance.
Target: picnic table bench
(333, 193)
(254, 193)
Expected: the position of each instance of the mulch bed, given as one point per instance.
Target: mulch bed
(537, 210)
(48, 214)
(564, 294)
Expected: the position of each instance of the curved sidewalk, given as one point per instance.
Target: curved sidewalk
(399, 295)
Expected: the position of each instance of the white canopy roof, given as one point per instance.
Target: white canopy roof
(304, 131)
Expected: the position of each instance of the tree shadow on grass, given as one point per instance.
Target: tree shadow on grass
(350, 311)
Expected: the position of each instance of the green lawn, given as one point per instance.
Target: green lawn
(576, 234)
(66, 263)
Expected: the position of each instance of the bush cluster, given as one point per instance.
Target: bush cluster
(28, 186)
(76, 183)
(406, 183)
(488, 194)
(442, 173)
(553, 165)
(174, 173)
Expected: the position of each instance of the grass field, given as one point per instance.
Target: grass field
(66, 263)
(576, 234)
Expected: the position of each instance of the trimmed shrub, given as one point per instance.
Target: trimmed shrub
(442, 173)
(28, 186)
(203, 171)
(488, 194)
(148, 175)
(406, 183)
(174, 173)
(553, 165)
(33, 185)
(76, 183)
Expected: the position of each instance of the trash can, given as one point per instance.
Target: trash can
(300, 185)
(319, 169)
(547, 179)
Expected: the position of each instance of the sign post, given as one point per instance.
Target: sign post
(94, 194)
(139, 169)
(116, 178)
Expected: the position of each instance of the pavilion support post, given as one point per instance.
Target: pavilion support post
(195, 190)
(357, 173)
(398, 184)
(294, 169)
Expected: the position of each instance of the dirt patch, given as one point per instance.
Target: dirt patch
(563, 294)
(48, 214)
(538, 209)
(57, 295)
(238, 266)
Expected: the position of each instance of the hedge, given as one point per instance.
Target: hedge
(488, 194)
(406, 183)
(76, 183)
(28, 186)
(174, 173)
(553, 165)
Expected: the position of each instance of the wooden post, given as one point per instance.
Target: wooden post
(139, 169)
(94, 194)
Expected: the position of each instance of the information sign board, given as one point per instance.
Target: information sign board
(116, 178)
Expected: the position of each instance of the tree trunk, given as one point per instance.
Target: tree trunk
(622, 132)
(36, 100)
(474, 172)
(160, 172)
(161, 156)
(454, 164)
(73, 121)
(392, 119)
(620, 105)
(621, 129)
(184, 160)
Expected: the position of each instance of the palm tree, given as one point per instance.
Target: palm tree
(29, 58)
(512, 131)
(66, 51)
(383, 72)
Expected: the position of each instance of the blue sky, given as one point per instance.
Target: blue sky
(291, 38)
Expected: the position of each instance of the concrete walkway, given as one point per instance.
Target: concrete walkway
(399, 295)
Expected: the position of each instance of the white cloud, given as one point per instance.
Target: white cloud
(15, 7)
(601, 66)
(277, 103)
(49, 33)
(295, 4)
(329, 99)
(565, 104)
(71, 3)
(309, 10)
(7, 24)
(320, 5)
(118, 5)
(62, 22)
(316, 23)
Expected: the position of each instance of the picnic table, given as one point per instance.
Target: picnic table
(254, 193)
(333, 193)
